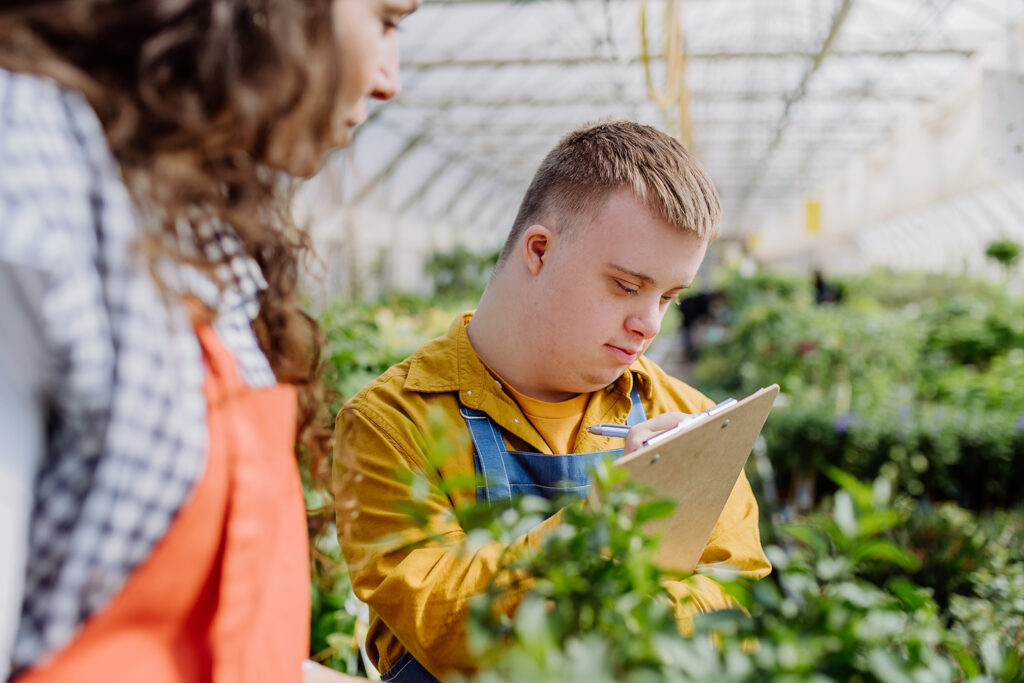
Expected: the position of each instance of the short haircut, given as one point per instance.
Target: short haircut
(590, 162)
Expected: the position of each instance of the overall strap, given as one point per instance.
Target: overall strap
(489, 448)
(490, 451)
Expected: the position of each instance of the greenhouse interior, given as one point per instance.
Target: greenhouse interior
(868, 156)
(878, 144)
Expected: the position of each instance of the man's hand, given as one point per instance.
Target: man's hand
(645, 430)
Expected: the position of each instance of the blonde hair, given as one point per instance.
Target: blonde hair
(590, 162)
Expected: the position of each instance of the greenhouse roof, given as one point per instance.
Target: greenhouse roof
(773, 95)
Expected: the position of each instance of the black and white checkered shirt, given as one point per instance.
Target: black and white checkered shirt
(120, 374)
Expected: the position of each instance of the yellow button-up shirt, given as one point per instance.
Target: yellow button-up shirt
(418, 589)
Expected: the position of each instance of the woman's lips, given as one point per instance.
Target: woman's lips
(624, 356)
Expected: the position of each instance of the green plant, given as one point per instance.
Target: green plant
(992, 620)
(364, 340)
(913, 376)
(1005, 252)
(597, 612)
(334, 609)
(459, 272)
(333, 637)
(596, 592)
(821, 620)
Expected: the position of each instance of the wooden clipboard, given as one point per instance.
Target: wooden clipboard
(698, 468)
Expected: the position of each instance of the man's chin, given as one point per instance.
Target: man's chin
(603, 380)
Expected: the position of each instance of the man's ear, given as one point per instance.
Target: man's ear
(537, 242)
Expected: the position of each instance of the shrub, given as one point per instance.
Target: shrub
(597, 612)
(930, 392)
(460, 273)
(1004, 252)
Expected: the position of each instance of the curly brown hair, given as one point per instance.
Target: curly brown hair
(199, 101)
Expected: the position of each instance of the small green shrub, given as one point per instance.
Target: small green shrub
(1004, 252)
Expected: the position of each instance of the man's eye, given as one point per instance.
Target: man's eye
(665, 299)
(625, 288)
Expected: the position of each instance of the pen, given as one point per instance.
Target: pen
(613, 430)
(619, 431)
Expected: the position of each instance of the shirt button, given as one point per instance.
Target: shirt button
(469, 392)
(516, 420)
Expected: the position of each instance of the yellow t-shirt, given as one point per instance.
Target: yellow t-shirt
(558, 423)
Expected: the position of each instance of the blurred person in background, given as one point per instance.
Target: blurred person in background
(826, 292)
(152, 348)
(695, 309)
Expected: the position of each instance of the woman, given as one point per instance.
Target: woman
(153, 524)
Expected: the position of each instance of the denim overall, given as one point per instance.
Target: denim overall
(507, 473)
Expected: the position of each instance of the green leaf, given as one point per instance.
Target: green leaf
(885, 550)
(808, 536)
(910, 594)
(887, 668)
(878, 520)
(655, 509)
(844, 515)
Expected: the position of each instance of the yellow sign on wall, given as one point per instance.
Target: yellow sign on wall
(812, 215)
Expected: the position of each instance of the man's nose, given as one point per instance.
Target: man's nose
(645, 321)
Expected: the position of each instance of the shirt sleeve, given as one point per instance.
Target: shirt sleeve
(21, 422)
(418, 582)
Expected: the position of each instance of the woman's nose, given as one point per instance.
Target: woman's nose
(387, 81)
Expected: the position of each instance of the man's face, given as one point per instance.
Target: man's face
(604, 292)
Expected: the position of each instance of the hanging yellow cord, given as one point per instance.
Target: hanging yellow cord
(674, 99)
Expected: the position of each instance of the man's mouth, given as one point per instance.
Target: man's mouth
(625, 355)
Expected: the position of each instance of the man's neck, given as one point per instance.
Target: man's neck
(503, 339)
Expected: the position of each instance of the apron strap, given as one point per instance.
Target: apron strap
(489, 448)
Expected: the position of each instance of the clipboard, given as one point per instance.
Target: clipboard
(698, 467)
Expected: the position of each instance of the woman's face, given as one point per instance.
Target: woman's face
(367, 35)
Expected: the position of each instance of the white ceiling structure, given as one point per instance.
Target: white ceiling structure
(774, 96)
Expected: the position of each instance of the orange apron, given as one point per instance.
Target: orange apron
(224, 596)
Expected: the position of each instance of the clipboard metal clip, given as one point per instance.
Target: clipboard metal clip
(686, 424)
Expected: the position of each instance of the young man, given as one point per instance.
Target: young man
(611, 230)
